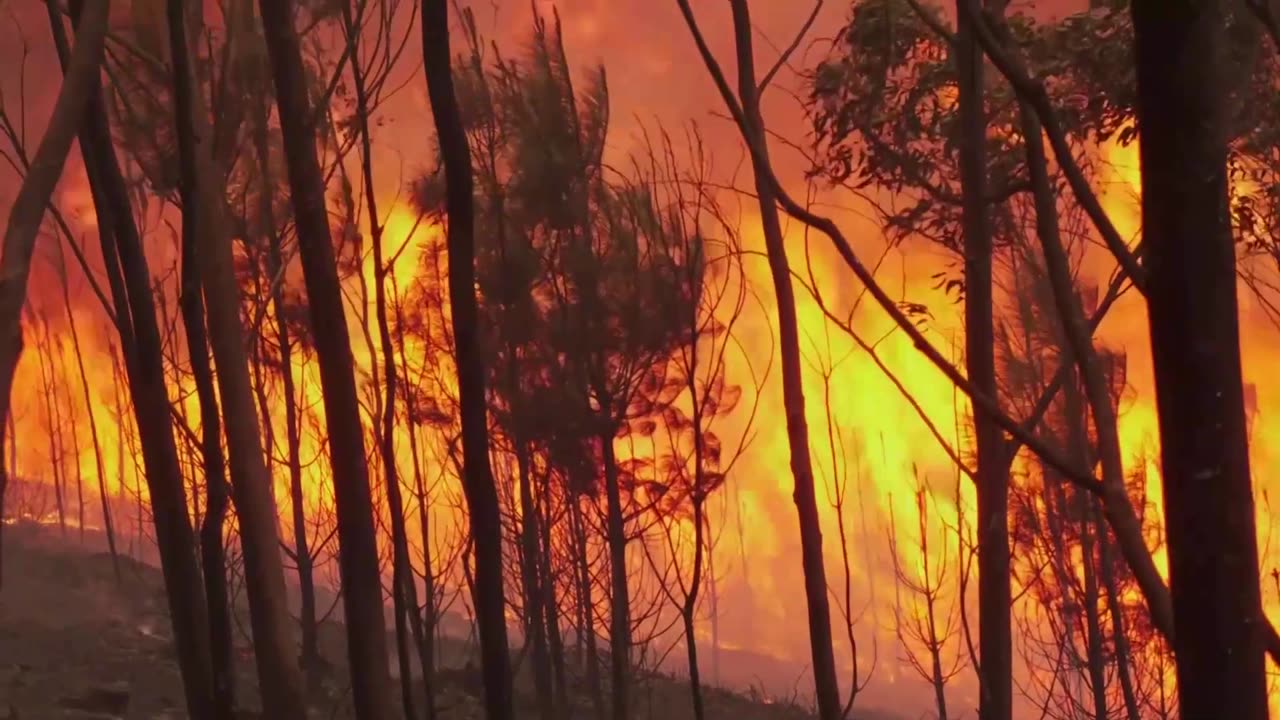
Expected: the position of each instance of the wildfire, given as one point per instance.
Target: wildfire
(871, 450)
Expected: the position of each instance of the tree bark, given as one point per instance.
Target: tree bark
(310, 653)
(995, 637)
(357, 535)
(478, 485)
(1218, 625)
(142, 350)
(620, 593)
(826, 684)
(212, 552)
(107, 524)
(278, 676)
(144, 361)
(408, 624)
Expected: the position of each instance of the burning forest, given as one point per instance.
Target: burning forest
(826, 359)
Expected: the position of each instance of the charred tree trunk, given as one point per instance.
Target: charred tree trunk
(478, 485)
(588, 652)
(107, 525)
(310, 654)
(357, 535)
(404, 591)
(130, 282)
(995, 638)
(1119, 634)
(427, 632)
(535, 620)
(44, 354)
(212, 552)
(278, 676)
(555, 638)
(620, 594)
(826, 684)
(690, 608)
(1219, 629)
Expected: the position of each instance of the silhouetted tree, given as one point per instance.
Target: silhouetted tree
(358, 552)
(279, 681)
(141, 346)
(482, 497)
(1182, 120)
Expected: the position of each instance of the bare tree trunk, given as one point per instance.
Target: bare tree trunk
(130, 282)
(302, 555)
(1119, 635)
(535, 617)
(278, 676)
(620, 594)
(426, 633)
(1219, 629)
(690, 608)
(1092, 615)
(826, 684)
(478, 485)
(995, 641)
(550, 602)
(44, 353)
(404, 591)
(75, 447)
(586, 608)
(107, 525)
(212, 552)
(357, 535)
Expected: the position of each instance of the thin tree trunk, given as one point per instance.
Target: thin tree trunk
(691, 600)
(293, 436)
(44, 354)
(995, 638)
(404, 593)
(212, 552)
(478, 484)
(826, 684)
(586, 609)
(357, 535)
(107, 525)
(75, 450)
(535, 618)
(425, 634)
(620, 594)
(1219, 631)
(130, 282)
(549, 599)
(1119, 635)
(278, 676)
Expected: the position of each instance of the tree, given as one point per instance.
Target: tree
(751, 124)
(1182, 113)
(101, 473)
(278, 677)
(135, 316)
(358, 552)
(688, 232)
(482, 497)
